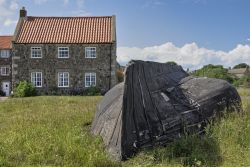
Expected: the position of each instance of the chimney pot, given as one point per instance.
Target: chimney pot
(23, 12)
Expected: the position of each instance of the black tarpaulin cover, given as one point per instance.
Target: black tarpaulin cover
(156, 104)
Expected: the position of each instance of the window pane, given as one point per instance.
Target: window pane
(36, 52)
(5, 53)
(63, 79)
(4, 71)
(63, 52)
(90, 79)
(36, 79)
(90, 52)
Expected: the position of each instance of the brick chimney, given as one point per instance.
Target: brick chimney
(23, 13)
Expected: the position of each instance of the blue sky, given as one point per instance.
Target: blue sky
(191, 32)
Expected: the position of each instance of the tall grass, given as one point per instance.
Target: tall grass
(244, 91)
(49, 131)
(54, 131)
(226, 144)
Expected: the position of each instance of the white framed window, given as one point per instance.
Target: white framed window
(90, 52)
(90, 79)
(63, 52)
(5, 53)
(36, 52)
(63, 79)
(5, 71)
(36, 79)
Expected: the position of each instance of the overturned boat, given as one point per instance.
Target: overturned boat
(156, 104)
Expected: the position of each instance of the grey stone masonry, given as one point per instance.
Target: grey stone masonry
(76, 65)
(5, 62)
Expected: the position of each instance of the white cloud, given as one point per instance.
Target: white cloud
(248, 39)
(8, 14)
(189, 56)
(9, 22)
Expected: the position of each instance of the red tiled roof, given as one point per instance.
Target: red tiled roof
(66, 30)
(5, 42)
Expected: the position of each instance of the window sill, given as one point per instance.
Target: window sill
(63, 57)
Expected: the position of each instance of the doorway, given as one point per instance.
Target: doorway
(6, 88)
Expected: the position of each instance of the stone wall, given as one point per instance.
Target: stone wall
(5, 62)
(77, 65)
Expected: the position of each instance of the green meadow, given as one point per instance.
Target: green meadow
(55, 131)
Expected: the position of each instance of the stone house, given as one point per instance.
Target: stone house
(65, 53)
(5, 64)
(240, 72)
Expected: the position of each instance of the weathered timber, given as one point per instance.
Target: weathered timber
(156, 104)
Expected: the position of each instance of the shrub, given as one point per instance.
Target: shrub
(93, 91)
(120, 75)
(245, 80)
(241, 65)
(24, 89)
(214, 71)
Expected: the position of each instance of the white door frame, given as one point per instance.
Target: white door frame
(6, 87)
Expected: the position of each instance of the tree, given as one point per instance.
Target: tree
(241, 65)
(214, 71)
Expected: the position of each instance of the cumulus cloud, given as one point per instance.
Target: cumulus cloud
(8, 14)
(189, 56)
(9, 22)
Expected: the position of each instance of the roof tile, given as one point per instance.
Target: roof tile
(66, 30)
(5, 42)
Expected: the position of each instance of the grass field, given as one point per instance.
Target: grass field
(54, 131)
(244, 92)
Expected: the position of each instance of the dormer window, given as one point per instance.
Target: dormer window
(36, 52)
(90, 52)
(63, 52)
